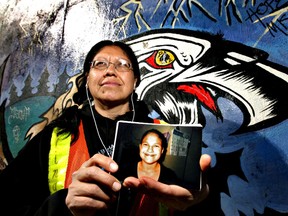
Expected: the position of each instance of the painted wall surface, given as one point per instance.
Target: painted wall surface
(219, 63)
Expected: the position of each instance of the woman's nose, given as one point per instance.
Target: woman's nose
(150, 149)
(111, 68)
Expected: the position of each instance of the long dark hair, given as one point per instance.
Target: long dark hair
(69, 119)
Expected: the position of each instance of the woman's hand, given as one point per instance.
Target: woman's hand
(172, 196)
(93, 189)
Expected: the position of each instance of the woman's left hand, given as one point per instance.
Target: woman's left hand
(173, 196)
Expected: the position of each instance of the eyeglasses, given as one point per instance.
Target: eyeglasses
(120, 65)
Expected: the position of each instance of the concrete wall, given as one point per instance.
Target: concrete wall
(219, 63)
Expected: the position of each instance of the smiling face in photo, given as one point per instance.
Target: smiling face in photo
(151, 148)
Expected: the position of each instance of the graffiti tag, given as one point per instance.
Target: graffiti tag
(18, 114)
(270, 9)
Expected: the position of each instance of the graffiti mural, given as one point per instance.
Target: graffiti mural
(218, 63)
(184, 72)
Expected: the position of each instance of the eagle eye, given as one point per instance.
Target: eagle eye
(161, 59)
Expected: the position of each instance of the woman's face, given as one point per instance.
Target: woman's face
(151, 148)
(111, 85)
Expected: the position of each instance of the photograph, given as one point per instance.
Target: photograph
(168, 153)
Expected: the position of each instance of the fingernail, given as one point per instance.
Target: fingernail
(113, 166)
(116, 186)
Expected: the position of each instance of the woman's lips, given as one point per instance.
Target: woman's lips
(149, 155)
(110, 83)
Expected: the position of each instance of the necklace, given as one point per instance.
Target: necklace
(95, 122)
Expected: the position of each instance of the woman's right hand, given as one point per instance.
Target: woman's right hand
(93, 189)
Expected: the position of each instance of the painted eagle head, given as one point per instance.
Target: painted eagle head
(182, 70)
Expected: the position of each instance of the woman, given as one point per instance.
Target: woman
(67, 169)
(152, 151)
